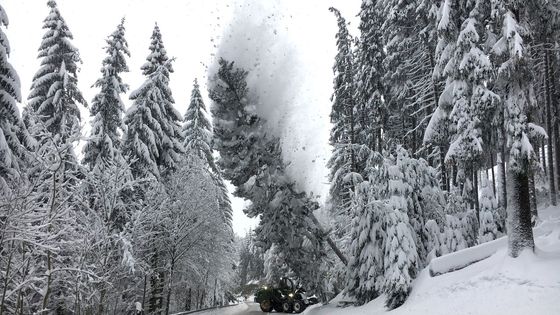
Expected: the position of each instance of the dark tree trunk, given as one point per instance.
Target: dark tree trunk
(557, 151)
(170, 287)
(533, 195)
(549, 128)
(492, 163)
(444, 175)
(520, 230)
(144, 292)
(503, 192)
(188, 300)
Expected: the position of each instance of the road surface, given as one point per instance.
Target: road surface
(243, 309)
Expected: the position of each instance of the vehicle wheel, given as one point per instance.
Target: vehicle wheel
(286, 307)
(266, 306)
(299, 306)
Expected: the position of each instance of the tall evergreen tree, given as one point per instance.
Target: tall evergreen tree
(468, 70)
(514, 83)
(13, 139)
(370, 107)
(107, 106)
(344, 163)
(197, 134)
(54, 95)
(153, 139)
(365, 267)
(252, 161)
(153, 144)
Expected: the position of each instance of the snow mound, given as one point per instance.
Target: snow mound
(529, 284)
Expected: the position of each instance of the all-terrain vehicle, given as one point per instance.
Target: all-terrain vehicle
(285, 298)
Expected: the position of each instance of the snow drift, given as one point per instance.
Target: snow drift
(529, 284)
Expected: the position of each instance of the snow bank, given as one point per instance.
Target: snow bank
(461, 259)
(529, 284)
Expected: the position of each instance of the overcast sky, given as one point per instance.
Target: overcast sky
(288, 45)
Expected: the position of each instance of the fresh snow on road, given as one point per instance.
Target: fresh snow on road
(241, 309)
(498, 285)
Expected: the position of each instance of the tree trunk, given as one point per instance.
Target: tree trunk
(444, 174)
(169, 288)
(503, 178)
(557, 151)
(493, 173)
(215, 285)
(19, 303)
(330, 241)
(188, 300)
(7, 277)
(520, 231)
(144, 292)
(197, 298)
(549, 129)
(49, 228)
(533, 195)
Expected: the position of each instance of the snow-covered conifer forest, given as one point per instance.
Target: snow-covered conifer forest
(429, 185)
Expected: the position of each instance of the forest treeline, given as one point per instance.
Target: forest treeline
(141, 221)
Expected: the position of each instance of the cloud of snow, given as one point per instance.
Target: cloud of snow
(288, 47)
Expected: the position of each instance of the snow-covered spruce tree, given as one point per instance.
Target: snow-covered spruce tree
(252, 161)
(386, 246)
(153, 139)
(369, 107)
(434, 240)
(453, 239)
(514, 85)
(197, 134)
(13, 136)
(107, 107)
(488, 230)
(440, 127)
(54, 95)
(401, 258)
(365, 267)
(54, 116)
(424, 199)
(345, 163)
(468, 72)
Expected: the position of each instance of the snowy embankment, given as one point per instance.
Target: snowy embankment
(488, 281)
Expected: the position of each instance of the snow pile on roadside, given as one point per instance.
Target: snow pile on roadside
(529, 284)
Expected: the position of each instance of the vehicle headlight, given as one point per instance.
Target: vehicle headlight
(266, 288)
(291, 295)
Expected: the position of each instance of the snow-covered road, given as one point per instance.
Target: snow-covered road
(243, 309)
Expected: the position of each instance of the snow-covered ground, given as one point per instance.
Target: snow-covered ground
(529, 284)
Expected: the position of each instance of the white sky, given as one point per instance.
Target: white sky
(288, 45)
